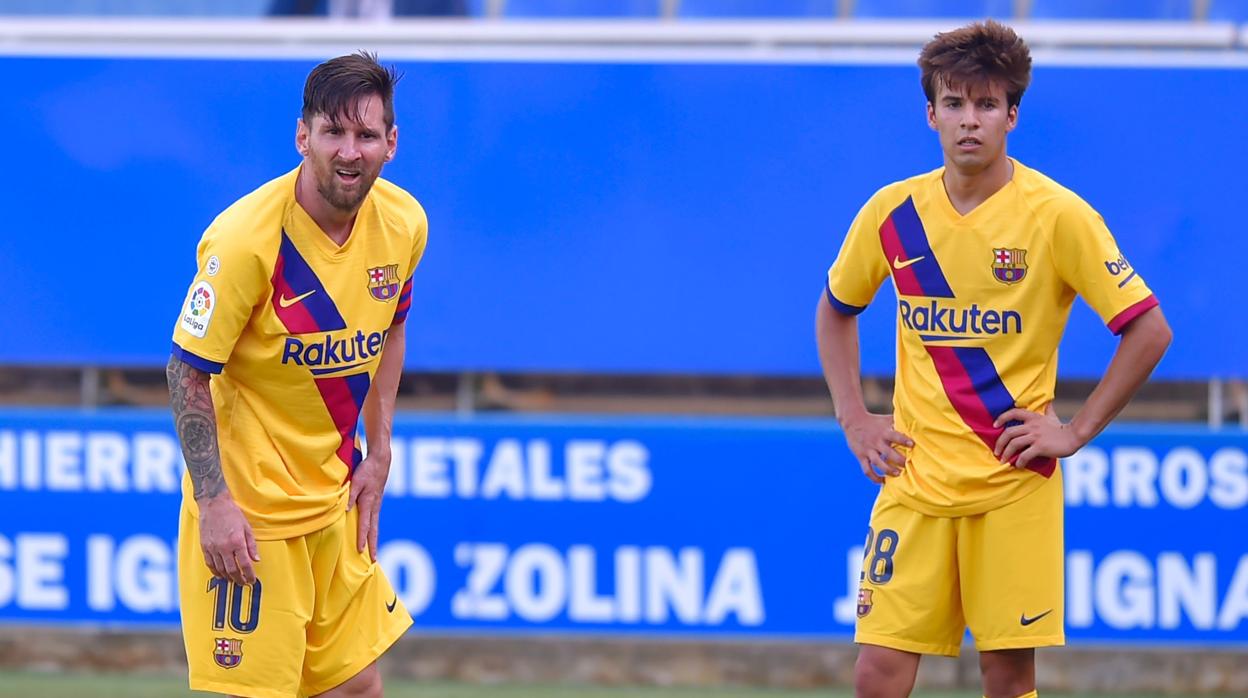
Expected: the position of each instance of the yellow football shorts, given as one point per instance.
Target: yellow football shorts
(319, 613)
(925, 579)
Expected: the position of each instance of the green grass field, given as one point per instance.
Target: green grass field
(27, 684)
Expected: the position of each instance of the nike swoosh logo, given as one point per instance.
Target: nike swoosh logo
(393, 602)
(287, 302)
(898, 264)
(1024, 620)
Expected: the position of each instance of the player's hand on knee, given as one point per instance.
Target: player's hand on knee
(873, 440)
(228, 543)
(1030, 435)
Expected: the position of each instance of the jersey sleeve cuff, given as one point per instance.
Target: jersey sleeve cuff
(404, 304)
(1121, 320)
(197, 361)
(840, 306)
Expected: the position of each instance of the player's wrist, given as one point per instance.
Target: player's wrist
(847, 417)
(217, 502)
(380, 454)
(1082, 432)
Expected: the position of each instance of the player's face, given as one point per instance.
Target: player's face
(972, 121)
(346, 156)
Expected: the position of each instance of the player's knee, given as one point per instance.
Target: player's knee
(882, 675)
(368, 686)
(1008, 673)
(873, 681)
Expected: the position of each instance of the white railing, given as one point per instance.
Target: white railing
(622, 39)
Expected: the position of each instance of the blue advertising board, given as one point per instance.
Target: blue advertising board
(591, 217)
(677, 527)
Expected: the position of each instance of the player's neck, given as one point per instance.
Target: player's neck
(967, 190)
(336, 227)
(334, 222)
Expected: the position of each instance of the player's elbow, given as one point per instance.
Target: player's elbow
(1151, 332)
(1160, 333)
(1165, 335)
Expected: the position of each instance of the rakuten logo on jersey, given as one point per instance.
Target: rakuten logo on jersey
(938, 321)
(332, 354)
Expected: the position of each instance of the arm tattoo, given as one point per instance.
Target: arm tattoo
(196, 425)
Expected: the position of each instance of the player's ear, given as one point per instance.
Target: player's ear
(931, 117)
(1011, 118)
(301, 137)
(392, 142)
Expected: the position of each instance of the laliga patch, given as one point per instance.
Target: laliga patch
(198, 310)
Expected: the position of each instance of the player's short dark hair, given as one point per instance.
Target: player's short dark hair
(981, 52)
(336, 87)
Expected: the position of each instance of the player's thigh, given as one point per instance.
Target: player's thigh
(1012, 564)
(908, 590)
(357, 613)
(244, 640)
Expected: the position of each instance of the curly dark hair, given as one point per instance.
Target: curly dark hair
(985, 51)
(335, 88)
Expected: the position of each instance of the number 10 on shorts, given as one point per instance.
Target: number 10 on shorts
(228, 593)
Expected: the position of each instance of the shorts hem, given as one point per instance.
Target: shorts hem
(1021, 643)
(238, 689)
(897, 643)
(365, 658)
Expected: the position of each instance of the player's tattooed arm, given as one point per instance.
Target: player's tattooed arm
(229, 546)
(196, 425)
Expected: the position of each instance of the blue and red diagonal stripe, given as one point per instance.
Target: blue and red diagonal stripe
(977, 394)
(344, 396)
(316, 312)
(904, 238)
(404, 304)
(292, 278)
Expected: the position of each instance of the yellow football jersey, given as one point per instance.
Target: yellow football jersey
(295, 324)
(982, 301)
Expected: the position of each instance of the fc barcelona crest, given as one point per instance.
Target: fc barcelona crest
(383, 282)
(227, 652)
(1009, 266)
(864, 601)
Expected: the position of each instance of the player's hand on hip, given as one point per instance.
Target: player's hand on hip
(874, 441)
(1031, 435)
(368, 481)
(227, 540)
